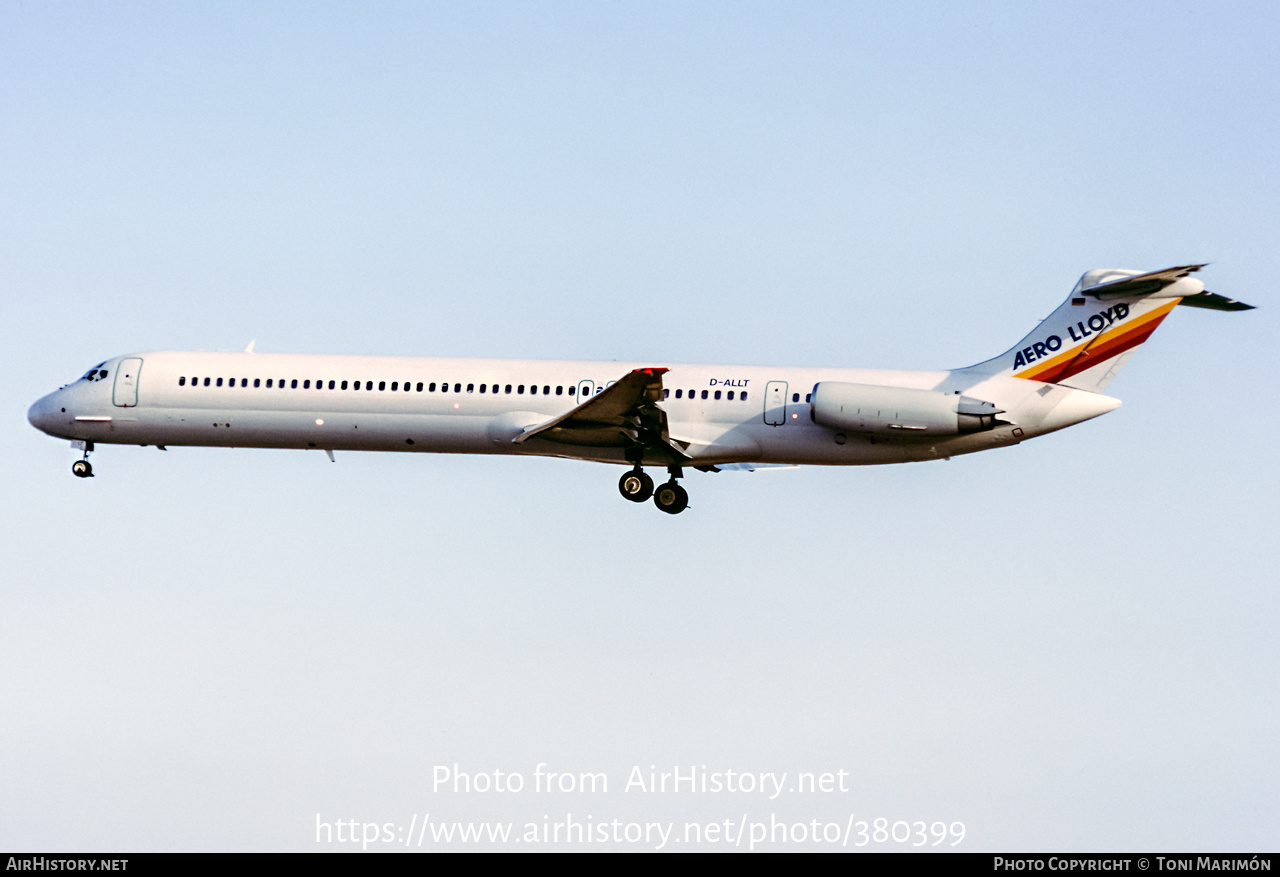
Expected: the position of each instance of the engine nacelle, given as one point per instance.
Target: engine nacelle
(897, 411)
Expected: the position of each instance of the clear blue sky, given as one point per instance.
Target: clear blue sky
(1068, 645)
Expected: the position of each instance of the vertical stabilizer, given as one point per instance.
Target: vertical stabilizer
(1089, 338)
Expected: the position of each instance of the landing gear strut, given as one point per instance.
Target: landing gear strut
(82, 468)
(671, 497)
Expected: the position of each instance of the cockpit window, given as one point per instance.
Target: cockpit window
(96, 373)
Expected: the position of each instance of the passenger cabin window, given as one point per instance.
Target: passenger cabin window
(182, 382)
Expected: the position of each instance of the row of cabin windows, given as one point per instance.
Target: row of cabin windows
(693, 394)
(396, 386)
(409, 386)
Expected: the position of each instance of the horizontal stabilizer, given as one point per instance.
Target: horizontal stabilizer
(1138, 284)
(1215, 302)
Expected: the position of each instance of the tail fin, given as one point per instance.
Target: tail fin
(1109, 314)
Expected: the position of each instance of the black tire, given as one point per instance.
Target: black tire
(636, 486)
(82, 469)
(671, 498)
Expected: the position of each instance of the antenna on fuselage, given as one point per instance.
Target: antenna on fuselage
(249, 349)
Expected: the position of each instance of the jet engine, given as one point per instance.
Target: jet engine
(897, 411)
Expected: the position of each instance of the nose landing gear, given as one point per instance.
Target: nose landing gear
(82, 468)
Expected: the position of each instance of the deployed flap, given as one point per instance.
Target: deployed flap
(1139, 284)
(624, 415)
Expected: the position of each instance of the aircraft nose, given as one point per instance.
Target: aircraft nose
(41, 413)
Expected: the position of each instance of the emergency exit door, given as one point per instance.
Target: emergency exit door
(775, 403)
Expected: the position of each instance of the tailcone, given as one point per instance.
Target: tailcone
(1076, 407)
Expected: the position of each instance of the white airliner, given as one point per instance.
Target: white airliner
(709, 417)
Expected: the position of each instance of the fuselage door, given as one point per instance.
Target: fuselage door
(775, 403)
(586, 389)
(125, 390)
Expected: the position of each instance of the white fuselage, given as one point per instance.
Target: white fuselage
(719, 413)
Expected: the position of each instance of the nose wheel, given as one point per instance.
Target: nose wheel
(82, 468)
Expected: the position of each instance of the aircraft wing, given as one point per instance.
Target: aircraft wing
(624, 415)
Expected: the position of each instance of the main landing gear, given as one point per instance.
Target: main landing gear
(636, 485)
(82, 468)
(670, 497)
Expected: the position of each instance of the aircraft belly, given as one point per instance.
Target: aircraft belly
(291, 429)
